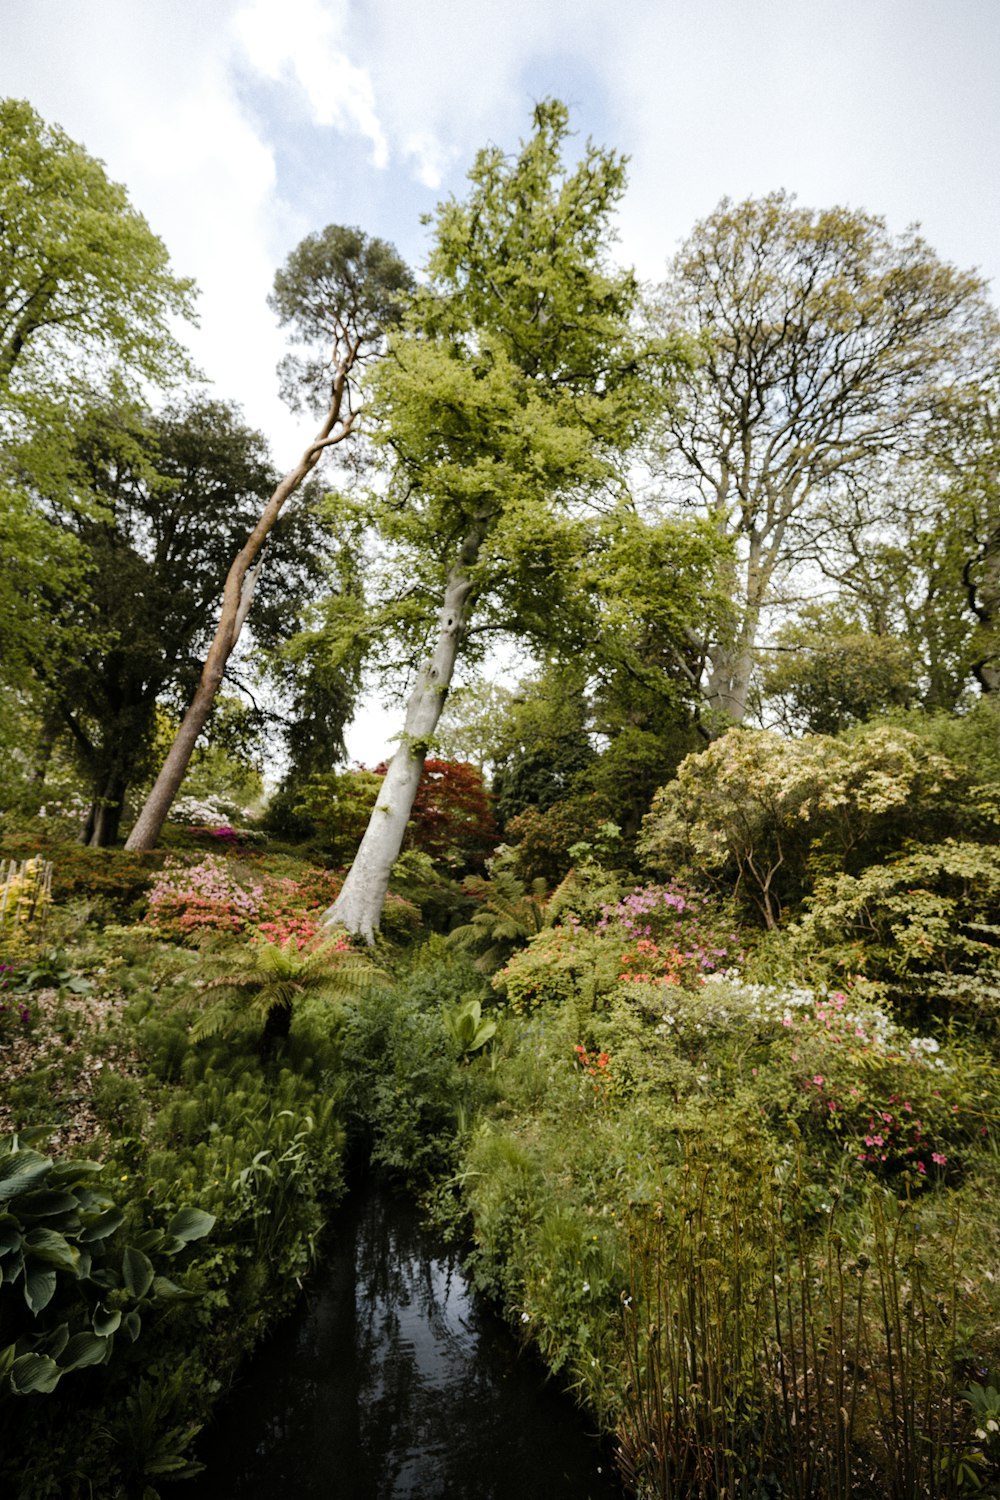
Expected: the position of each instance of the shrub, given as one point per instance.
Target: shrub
(114, 881)
(190, 899)
(767, 815)
(926, 924)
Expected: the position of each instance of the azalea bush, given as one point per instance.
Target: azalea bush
(186, 900)
(655, 934)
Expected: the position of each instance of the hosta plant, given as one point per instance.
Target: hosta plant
(69, 1286)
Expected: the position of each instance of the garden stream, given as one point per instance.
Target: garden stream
(393, 1380)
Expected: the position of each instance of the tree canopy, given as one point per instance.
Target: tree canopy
(829, 346)
(86, 290)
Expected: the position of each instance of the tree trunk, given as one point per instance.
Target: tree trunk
(104, 819)
(728, 686)
(984, 600)
(359, 905)
(236, 598)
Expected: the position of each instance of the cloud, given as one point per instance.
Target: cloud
(301, 40)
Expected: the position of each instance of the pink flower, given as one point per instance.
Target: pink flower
(938, 1159)
(921, 1168)
(818, 1080)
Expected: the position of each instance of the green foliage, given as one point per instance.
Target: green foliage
(272, 980)
(467, 1028)
(561, 963)
(408, 1096)
(86, 283)
(112, 882)
(506, 916)
(337, 284)
(927, 924)
(543, 841)
(87, 303)
(833, 673)
(83, 1284)
(767, 815)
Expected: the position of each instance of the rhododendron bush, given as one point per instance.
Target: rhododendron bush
(207, 897)
(656, 935)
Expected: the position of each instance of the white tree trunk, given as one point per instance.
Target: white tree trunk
(362, 897)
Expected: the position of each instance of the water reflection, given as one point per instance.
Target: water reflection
(392, 1383)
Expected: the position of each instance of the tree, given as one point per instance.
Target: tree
(178, 491)
(829, 672)
(828, 344)
(512, 391)
(87, 303)
(85, 285)
(342, 290)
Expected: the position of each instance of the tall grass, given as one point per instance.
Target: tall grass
(766, 1356)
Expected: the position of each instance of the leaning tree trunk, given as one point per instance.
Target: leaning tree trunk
(236, 600)
(359, 904)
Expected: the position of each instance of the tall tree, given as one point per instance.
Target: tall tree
(87, 303)
(512, 392)
(339, 290)
(85, 286)
(177, 493)
(828, 344)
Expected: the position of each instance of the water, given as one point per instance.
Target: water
(393, 1382)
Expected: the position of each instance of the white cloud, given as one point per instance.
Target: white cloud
(301, 39)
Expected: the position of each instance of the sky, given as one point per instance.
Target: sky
(238, 126)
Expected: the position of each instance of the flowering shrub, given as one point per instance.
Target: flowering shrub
(596, 1065)
(674, 929)
(895, 1104)
(656, 935)
(189, 899)
(558, 964)
(204, 812)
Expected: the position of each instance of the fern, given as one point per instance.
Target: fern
(508, 916)
(271, 978)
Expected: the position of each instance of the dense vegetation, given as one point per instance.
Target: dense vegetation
(667, 978)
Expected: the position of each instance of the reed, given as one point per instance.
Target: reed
(765, 1358)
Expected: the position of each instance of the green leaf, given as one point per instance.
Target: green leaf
(102, 1227)
(137, 1272)
(43, 1203)
(21, 1170)
(132, 1325)
(53, 1248)
(190, 1224)
(10, 1234)
(85, 1349)
(39, 1286)
(34, 1372)
(105, 1320)
(169, 1291)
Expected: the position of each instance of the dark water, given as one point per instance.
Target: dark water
(392, 1381)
